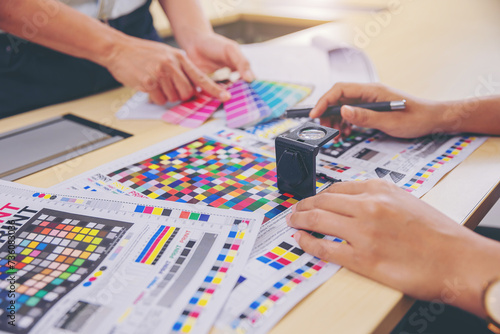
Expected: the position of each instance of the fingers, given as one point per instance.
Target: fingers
(322, 221)
(339, 253)
(340, 91)
(200, 79)
(169, 90)
(341, 204)
(369, 118)
(348, 93)
(157, 97)
(238, 62)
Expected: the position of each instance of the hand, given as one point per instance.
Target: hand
(398, 240)
(160, 70)
(211, 52)
(419, 118)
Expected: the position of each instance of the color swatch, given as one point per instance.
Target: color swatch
(357, 135)
(201, 115)
(209, 172)
(55, 252)
(281, 256)
(279, 96)
(157, 245)
(186, 109)
(274, 128)
(264, 303)
(333, 166)
(212, 281)
(245, 106)
(250, 103)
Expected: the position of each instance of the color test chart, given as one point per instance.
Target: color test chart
(55, 252)
(234, 169)
(272, 283)
(87, 265)
(214, 170)
(415, 165)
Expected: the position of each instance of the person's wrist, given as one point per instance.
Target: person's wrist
(448, 116)
(478, 266)
(192, 39)
(111, 48)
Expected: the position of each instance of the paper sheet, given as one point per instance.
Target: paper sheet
(230, 168)
(116, 264)
(224, 168)
(415, 165)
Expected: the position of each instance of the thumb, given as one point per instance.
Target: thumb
(361, 117)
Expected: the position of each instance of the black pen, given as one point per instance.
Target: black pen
(335, 110)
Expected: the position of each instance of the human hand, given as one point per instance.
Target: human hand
(419, 118)
(398, 240)
(160, 70)
(211, 52)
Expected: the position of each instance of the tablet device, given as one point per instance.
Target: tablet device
(38, 146)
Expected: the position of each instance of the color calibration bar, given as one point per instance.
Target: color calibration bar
(435, 164)
(265, 302)
(281, 256)
(157, 245)
(212, 281)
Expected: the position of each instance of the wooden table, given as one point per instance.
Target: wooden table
(436, 49)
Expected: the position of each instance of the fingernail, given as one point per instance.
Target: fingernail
(249, 76)
(296, 236)
(294, 208)
(225, 95)
(287, 218)
(348, 111)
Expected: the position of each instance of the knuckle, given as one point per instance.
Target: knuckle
(313, 218)
(374, 208)
(149, 83)
(321, 251)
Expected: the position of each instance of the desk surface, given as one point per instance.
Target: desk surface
(440, 50)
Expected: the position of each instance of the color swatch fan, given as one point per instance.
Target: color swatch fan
(261, 101)
(250, 103)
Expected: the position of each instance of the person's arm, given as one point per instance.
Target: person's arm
(398, 240)
(57, 26)
(208, 50)
(162, 71)
(421, 117)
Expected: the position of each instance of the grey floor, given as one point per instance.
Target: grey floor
(493, 216)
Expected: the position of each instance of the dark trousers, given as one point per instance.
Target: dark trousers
(432, 318)
(32, 76)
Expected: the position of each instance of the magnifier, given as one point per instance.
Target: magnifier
(296, 153)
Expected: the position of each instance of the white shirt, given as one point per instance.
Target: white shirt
(105, 9)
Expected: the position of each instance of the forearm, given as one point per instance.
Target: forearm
(477, 115)
(57, 26)
(187, 20)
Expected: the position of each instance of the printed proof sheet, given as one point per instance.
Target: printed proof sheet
(235, 169)
(78, 264)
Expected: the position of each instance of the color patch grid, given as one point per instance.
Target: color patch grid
(55, 252)
(281, 256)
(426, 171)
(333, 166)
(157, 245)
(208, 172)
(358, 135)
(202, 297)
(258, 308)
